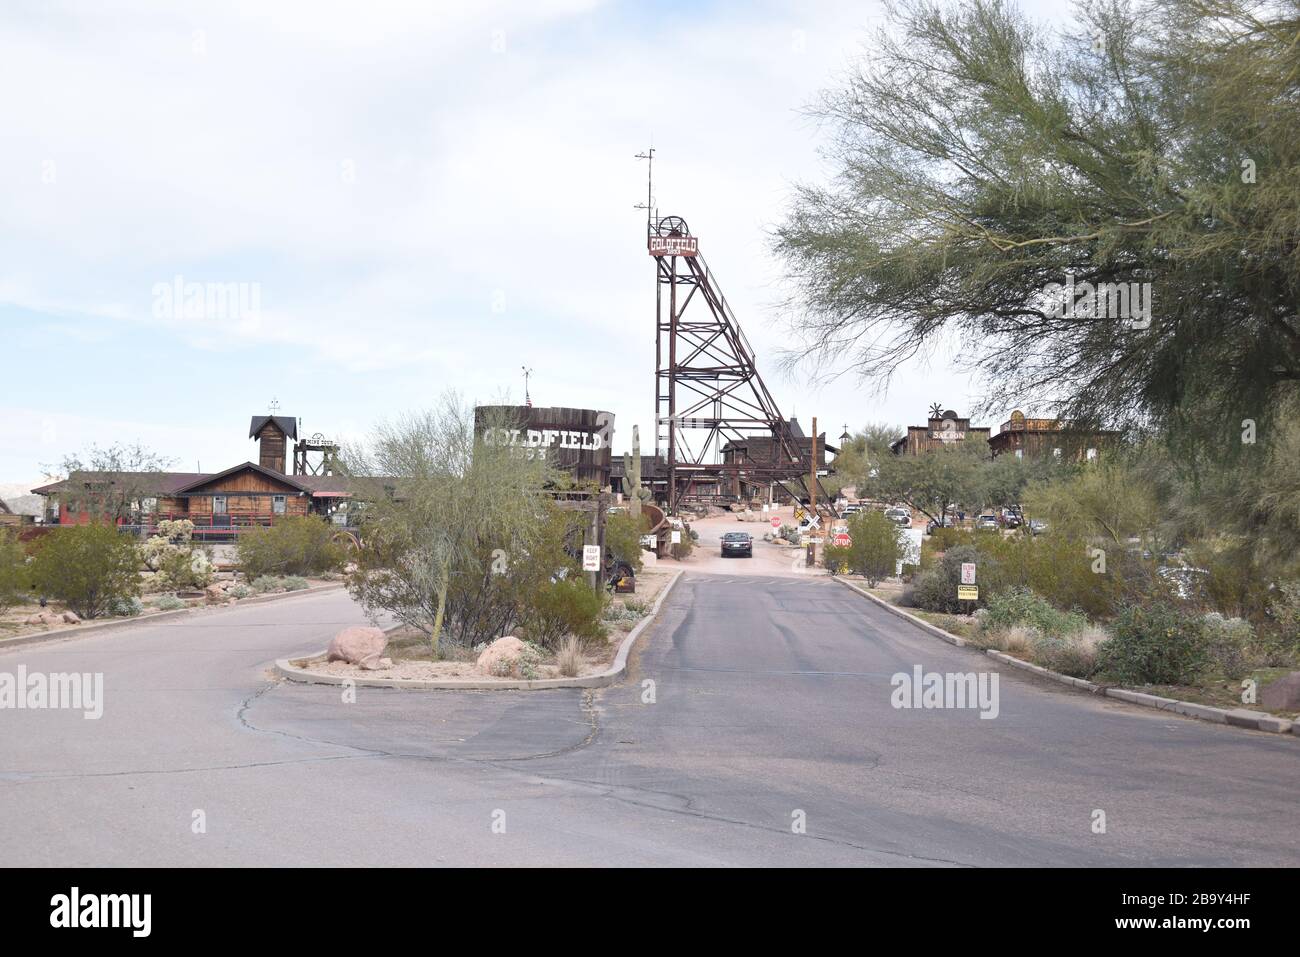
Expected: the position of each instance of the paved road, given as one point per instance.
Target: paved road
(771, 697)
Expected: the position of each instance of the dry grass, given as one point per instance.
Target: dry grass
(569, 657)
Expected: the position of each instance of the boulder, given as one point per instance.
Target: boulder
(71, 618)
(214, 594)
(1282, 694)
(44, 618)
(358, 646)
(500, 657)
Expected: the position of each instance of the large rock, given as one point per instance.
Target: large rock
(215, 593)
(45, 618)
(501, 657)
(359, 646)
(71, 617)
(1282, 694)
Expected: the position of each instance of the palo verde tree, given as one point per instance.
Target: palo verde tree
(985, 165)
(113, 482)
(935, 482)
(441, 506)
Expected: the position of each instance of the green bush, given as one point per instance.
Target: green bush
(876, 546)
(296, 545)
(266, 583)
(935, 588)
(295, 583)
(170, 603)
(126, 607)
(560, 608)
(1021, 606)
(14, 573)
(87, 567)
(683, 549)
(1154, 644)
(1228, 643)
(623, 532)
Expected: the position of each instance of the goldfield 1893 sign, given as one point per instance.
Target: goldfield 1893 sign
(674, 246)
(578, 440)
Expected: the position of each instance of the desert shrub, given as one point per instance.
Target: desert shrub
(876, 546)
(1073, 653)
(295, 583)
(1278, 642)
(623, 532)
(835, 559)
(296, 545)
(942, 539)
(936, 587)
(266, 583)
(790, 533)
(87, 567)
(240, 591)
(560, 608)
(1154, 644)
(14, 573)
(525, 666)
(125, 607)
(1058, 568)
(170, 603)
(683, 549)
(1228, 643)
(1021, 606)
(183, 567)
(569, 657)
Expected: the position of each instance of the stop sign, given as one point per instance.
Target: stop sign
(776, 521)
(842, 539)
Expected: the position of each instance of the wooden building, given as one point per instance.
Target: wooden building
(941, 431)
(219, 504)
(1024, 437)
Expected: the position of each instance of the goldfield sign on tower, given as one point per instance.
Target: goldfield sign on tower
(674, 246)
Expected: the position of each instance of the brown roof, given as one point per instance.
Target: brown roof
(164, 483)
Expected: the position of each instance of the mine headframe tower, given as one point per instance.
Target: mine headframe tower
(717, 425)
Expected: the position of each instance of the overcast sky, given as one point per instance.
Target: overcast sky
(422, 196)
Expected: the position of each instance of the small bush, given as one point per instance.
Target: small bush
(1228, 643)
(569, 657)
(297, 545)
(557, 609)
(170, 603)
(87, 567)
(240, 591)
(623, 532)
(267, 583)
(14, 574)
(874, 550)
(1154, 644)
(1021, 606)
(126, 607)
(295, 583)
(936, 587)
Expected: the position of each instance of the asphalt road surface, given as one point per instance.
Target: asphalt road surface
(771, 706)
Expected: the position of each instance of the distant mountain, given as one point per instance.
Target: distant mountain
(18, 496)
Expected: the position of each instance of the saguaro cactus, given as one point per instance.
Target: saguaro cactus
(632, 474)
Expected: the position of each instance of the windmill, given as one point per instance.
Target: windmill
(936, 410)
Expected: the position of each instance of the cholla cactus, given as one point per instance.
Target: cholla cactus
(632, 474)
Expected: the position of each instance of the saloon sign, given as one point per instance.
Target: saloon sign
(674, 246)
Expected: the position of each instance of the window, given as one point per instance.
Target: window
(277, 504)
(218, 505)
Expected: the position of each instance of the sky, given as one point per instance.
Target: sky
(405, 198)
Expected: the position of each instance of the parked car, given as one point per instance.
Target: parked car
(850, 510)
(899, 516)
(944, 522)
(1037, 526)
(988, 520)
(738, 543)
(1011, 517)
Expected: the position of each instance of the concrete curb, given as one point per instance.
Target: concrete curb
(1237, 717)
(286, 669)
(895, 610)
(74, 631)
